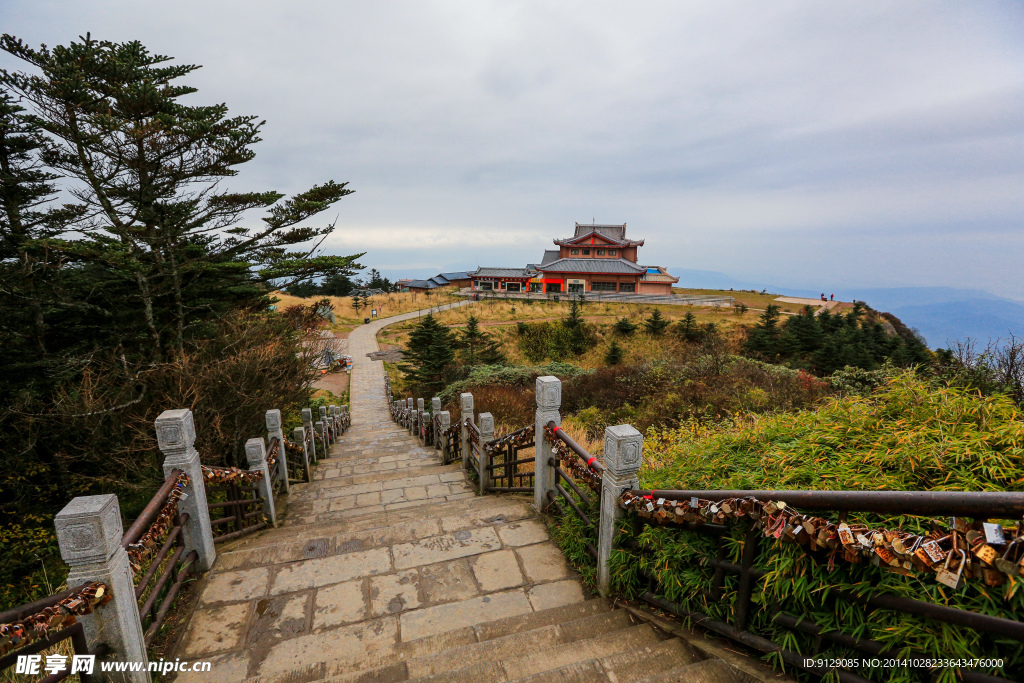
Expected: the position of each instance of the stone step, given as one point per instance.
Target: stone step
(560, 663)
(636, 665)
(322, 483)
(358, 652)
(472, 506)
(708, 671)
(498, 649)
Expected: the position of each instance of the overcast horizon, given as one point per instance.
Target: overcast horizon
(820, 145)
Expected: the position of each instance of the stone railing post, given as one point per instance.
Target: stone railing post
(420, 434)
(394, 411)
(410, 408)
(435, 410)
(623, 454)
(445, 423)
(176, 437)
(275, 430)
(321, 428)
(486, 434)
(335, 425)
(299, 436)
(256, 455)
(89, 535)
(346, 418)
(466, 412)
(549, 400)
(327, 424)
(307, 422)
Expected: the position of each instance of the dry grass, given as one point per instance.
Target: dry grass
(387, 305)
(751, 299)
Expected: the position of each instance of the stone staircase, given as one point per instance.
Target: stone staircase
(387, 567)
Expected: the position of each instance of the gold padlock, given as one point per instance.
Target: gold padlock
(949, 578)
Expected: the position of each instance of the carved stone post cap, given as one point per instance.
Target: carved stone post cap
(466, 401)
(256, 452)
(486, 423)
(435, 405)
(323, 411)
(299, 434)
(333, 410)
(307, 415)
(319, 425)
(409, 403)
(623, 450)
(419, 404)
(446, 419)
(89, 529)
(175, 429)
(345, 408)
(549, 393)
(273, 420)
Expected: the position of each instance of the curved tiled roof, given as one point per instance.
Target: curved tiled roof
(592, 265)
(502, 272)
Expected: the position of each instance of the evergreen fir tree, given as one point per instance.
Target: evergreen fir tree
(687, 327)
(656, 324)
(428, 356)
(624, 326)
(615, 354)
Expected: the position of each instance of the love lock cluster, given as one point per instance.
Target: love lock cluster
(149, 542)
(54, 618)
(521, 438)
(231, 475)
(978, 550)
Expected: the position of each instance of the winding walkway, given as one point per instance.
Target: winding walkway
(388, 567)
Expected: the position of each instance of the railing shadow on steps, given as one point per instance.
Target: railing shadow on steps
(123, 586)
(605, 499)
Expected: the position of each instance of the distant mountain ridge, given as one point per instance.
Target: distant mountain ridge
(941, 314)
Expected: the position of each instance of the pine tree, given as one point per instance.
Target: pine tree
(656, 324)
(615, 354)
(429, 355)
(624, 326)
(472, 340)
(142, 165)
(687, 327)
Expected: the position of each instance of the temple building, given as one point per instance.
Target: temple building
(598, 258)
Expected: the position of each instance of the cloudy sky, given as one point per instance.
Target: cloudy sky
(804, 143)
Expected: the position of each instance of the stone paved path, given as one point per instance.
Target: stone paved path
(389, 568)
(385, 547)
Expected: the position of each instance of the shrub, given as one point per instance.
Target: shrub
(656, 324)
(615, 354)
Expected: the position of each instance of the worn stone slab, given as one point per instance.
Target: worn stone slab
(324, 571)
(342, 603)
(446, 547)
(243, 584)
(447, 581)
(216, 629)
(547, 595)
(394, 593)
(496, 571)
(543, 562)
(282, 617)
(232, 666)
(342, 645)
(433, 620)
(525, 532)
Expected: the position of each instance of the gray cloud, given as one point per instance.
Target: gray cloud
(855, 143)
